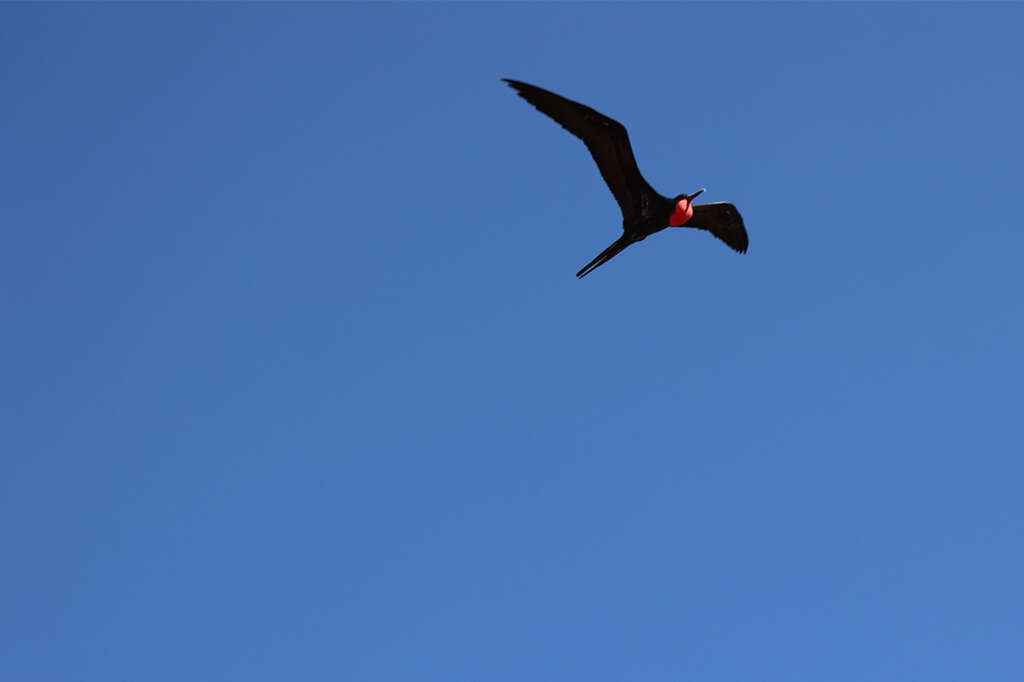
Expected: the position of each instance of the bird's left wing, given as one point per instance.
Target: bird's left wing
(723, 221)
(607, 141)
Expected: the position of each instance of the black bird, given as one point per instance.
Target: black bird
(644, 211)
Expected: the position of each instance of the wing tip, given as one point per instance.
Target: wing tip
(738, 247)
(723, 220)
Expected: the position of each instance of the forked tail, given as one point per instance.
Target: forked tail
(605, 256)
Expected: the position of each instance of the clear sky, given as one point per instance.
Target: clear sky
(298, 384)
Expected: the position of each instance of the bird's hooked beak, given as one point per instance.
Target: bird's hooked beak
(684, 209)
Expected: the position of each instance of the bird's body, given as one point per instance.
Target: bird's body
(644, 211)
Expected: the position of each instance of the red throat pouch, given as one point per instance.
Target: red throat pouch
(683, 212)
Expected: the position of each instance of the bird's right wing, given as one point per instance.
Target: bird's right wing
(723, 221)
(607, 141)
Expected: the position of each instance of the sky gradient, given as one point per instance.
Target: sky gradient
(298, 383)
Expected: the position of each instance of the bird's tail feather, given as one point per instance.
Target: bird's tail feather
(605, 256)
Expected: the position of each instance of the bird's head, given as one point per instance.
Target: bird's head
(684, 208)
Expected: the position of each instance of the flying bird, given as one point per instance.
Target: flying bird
(644, 211)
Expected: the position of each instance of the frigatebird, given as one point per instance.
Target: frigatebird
(644, 211)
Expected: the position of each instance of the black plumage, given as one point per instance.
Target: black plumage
(644, 211)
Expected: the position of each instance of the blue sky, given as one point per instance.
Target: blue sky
(298, 382)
